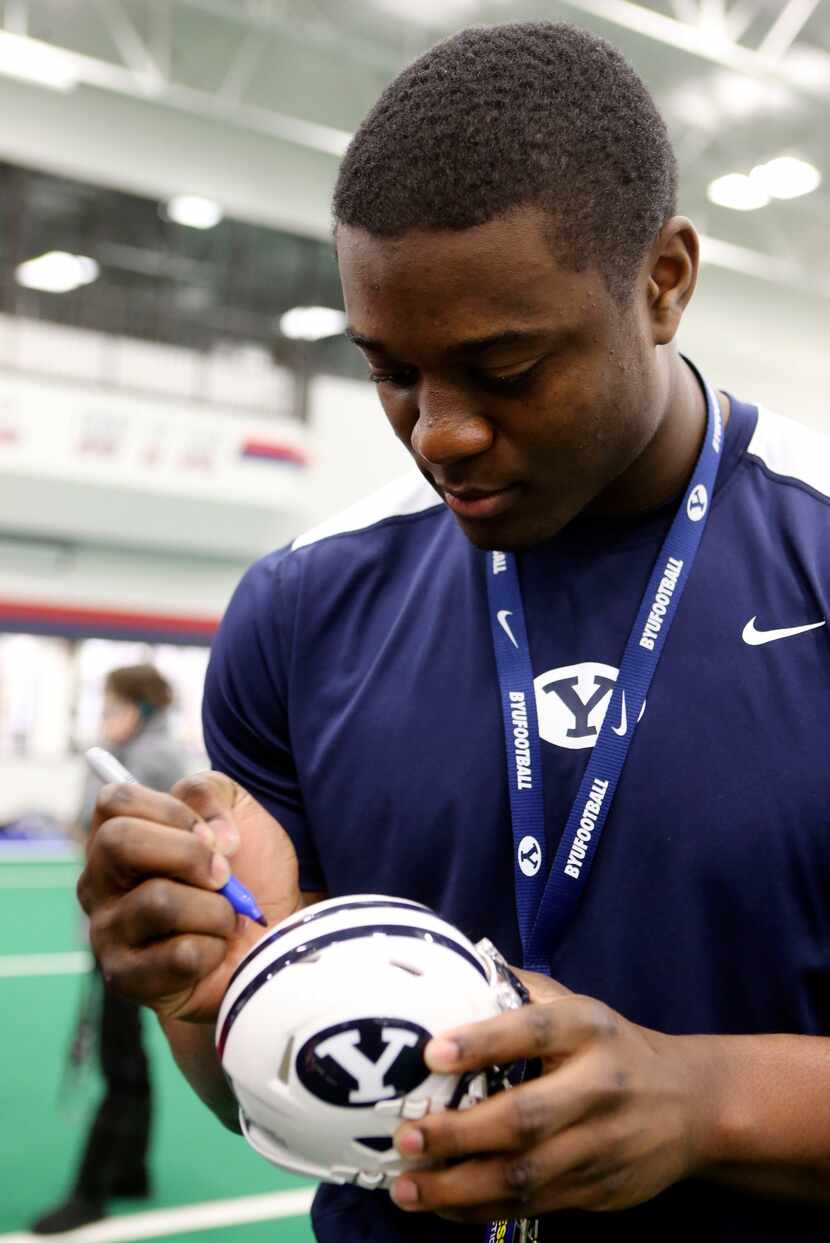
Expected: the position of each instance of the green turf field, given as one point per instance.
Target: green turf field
(200, 1169)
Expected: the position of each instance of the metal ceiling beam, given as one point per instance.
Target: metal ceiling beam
(786, 28)
(305, 33)
(242, 68)
(713, 15)
(740, 17)
(160, 35)
(695, 40)
(16, 17)
(686, 11)
(111, 77)
(128, 42)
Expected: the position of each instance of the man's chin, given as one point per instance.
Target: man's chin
(492, 536)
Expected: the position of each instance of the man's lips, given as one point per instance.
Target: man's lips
(479, 503)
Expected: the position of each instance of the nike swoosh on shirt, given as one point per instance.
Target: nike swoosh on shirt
(501, 618)
(756, 637)
(623, 725)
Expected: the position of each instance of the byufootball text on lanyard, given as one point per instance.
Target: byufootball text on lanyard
(547, 896)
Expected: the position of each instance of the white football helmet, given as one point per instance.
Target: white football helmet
(323, 1025)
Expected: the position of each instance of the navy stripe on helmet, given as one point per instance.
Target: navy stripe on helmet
(330, 938)
(310, 916)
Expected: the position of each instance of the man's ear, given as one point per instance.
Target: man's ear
(673, 265)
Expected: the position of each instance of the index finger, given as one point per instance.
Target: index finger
(550, 1029)
(213, 796)
(141, 803)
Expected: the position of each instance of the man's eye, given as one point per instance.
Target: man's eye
(404, 378)
(513, 382)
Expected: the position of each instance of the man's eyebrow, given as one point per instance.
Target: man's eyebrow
(470, 346)
(510, 337)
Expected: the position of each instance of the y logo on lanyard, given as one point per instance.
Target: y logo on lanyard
(697, 503)
(530, 855)
(583, 706)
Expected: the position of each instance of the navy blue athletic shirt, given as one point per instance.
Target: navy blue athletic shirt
(353, 691)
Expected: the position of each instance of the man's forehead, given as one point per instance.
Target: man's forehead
(504, 270)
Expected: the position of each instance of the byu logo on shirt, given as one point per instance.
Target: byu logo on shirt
(572, 701)
(364, 1061)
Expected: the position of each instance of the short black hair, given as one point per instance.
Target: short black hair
(506, 116)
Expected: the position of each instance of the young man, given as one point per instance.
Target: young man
(515, 274)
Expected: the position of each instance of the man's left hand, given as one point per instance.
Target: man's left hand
(618, 1113)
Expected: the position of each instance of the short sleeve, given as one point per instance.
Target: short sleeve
(244, 713)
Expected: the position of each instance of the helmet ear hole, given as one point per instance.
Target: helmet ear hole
(405, 966)
(284, 1072)
(378, 1143)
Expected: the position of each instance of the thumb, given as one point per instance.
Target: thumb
(213, 796)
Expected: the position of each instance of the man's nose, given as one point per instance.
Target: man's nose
(447, 429)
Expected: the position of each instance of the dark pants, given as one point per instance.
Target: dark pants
(114, 1161)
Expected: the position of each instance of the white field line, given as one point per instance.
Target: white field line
(68, 962)
(209, 1215)
(61, 877)
(26, 852)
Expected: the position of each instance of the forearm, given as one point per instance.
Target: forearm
(772, 1131)
(195, 1054)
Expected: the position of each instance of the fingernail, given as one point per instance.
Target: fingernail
(205, 835)
(441, 1054)
(411, 1143)
(226, 834)
(220, 870)
(405, 1192)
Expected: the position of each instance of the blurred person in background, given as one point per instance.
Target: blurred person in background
(135, 727)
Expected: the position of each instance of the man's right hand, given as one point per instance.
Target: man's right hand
(159, 929)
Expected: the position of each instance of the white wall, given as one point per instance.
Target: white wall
(353, 449)
(106, 442)
(762, 343)
(766, 344)
(49, 786)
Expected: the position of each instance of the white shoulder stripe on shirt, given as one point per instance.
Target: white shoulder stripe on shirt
(785, 446)
(788, 448)
(408, 494)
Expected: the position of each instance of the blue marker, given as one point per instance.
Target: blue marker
(107, 768)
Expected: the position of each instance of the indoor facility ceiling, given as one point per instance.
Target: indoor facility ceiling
(740, 82)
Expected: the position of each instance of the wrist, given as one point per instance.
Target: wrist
(730, 1126)
(707, 1116)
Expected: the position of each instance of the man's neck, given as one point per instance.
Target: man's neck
(663, 469)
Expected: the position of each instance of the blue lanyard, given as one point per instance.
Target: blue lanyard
(547, 896)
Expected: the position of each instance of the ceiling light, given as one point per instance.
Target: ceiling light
(56, 272)
(193, 211)
(786, 177)
(737, 191)
(33, 61)
(312, 323)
